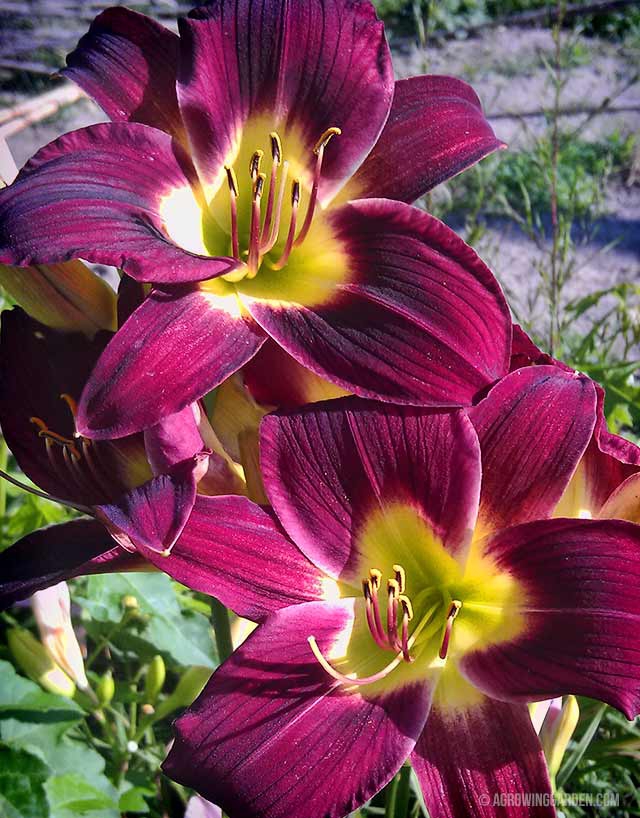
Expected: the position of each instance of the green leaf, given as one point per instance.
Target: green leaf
(71, 795)
(133, 800)
(28, 714)
(184, 636)
(22, 778)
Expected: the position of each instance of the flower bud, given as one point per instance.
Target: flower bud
(52, 610)
(105, 689)
(154, 681)
(33, 659)
(130, 603)
(556, 732)
(190, 685)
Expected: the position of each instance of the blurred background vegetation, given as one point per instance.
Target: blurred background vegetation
(556, 217)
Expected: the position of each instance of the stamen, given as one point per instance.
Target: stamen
(325, 139)
(276, 147)
(401, 577)
(349, 680)
(371, 622)
(392, 614)
(288, 247)
(254, 165)
(319, 152)
(253, 261)
(71, 403)
(276, 156)
(275, 226)
(407, 616)
(46, 433)
(454, 609)
(232, 181)
(376, 578)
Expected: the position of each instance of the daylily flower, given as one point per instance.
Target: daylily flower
(606, 482)
(257, 172)
(138, 489)
(436, 596)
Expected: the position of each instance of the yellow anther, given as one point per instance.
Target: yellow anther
(376, 578)
(258, 187)
(254, 165)
(71, 403)
(454, 609)
(407, 607)
(295, 192)
(401, 577)
(276, 147)
(232, 180)
(393, 588)
(39, 423)
(325, 138)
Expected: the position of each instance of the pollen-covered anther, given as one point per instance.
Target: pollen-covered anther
(255, 163)
(452, 613)
(401, 577)
(49, 436)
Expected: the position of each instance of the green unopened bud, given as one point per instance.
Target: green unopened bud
(190, 685)
(154, 681)
(33, 659)
(105, 689)
(556, 734)
(130, 603)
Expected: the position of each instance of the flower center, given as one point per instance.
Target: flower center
(394, 634)
(75, 459)
(266, 209)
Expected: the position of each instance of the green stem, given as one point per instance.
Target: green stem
(222, 629)
(4, 460)
(397, 804)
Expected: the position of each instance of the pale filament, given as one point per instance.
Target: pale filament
(381, 674)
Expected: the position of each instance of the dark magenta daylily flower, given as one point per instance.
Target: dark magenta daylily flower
(139, 489)
(606, 482)
(436, 594)
(257, 172)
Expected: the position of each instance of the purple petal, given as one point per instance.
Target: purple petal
(153, 515)
(329, 467)
(534, 427)
(435, 130)
(175, 348)
(484, 760)
(276, 379)
(304, 67)
(235, 551)
(272, 735)
(128, 64)
(47, 556)
(174, 439)
(98, 193)
(422, 321)
(581, 603)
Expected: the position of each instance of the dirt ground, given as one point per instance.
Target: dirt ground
(506, 68)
